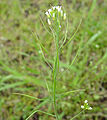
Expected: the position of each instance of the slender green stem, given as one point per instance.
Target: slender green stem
(56, 67)
(77, 115)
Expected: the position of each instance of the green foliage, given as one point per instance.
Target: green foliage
(27, 51)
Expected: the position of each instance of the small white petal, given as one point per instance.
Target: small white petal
(47, 14)
(50, 10)
(82, 106)
(90, 108)
(61, 13)
(59, 26)
(59, 10)
(54, 8)
(64, 16)
(49, 22)
(57, 7)
(86, 101)
(53, 15)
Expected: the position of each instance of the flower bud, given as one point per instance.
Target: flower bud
(82, 106)
(64, 16)
(86, 101)
(47, 14)
(61, 13)
(50, 10)
(49, 22)
(90, 108)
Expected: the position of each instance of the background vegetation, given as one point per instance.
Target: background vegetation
(23, 69)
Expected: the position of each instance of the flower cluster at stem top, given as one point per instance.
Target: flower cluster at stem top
(86, 106)
(55, 13)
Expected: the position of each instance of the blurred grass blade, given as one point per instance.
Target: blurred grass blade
(93, 38)
(28, 96)
(41, 112)
(62, 95)
(73, 34)
(101, 60)
(7, 86)
(92, 8)
(21, 76)
(72, 91)
(38, 107)
(69, 66)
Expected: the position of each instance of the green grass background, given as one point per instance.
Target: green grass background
(23, 69)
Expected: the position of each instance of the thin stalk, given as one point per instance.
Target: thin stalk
(56, 68)
(77, 115)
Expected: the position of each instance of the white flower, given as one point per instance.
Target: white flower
(59, 8)
(54, 7)
(82, 106)
(59, 26)
(55, 12)
(53, 15)
(61, 13)
(90, 108)
(49, 22)
(47, 14)
(64, 16)
(86, 101)
(50, 10)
